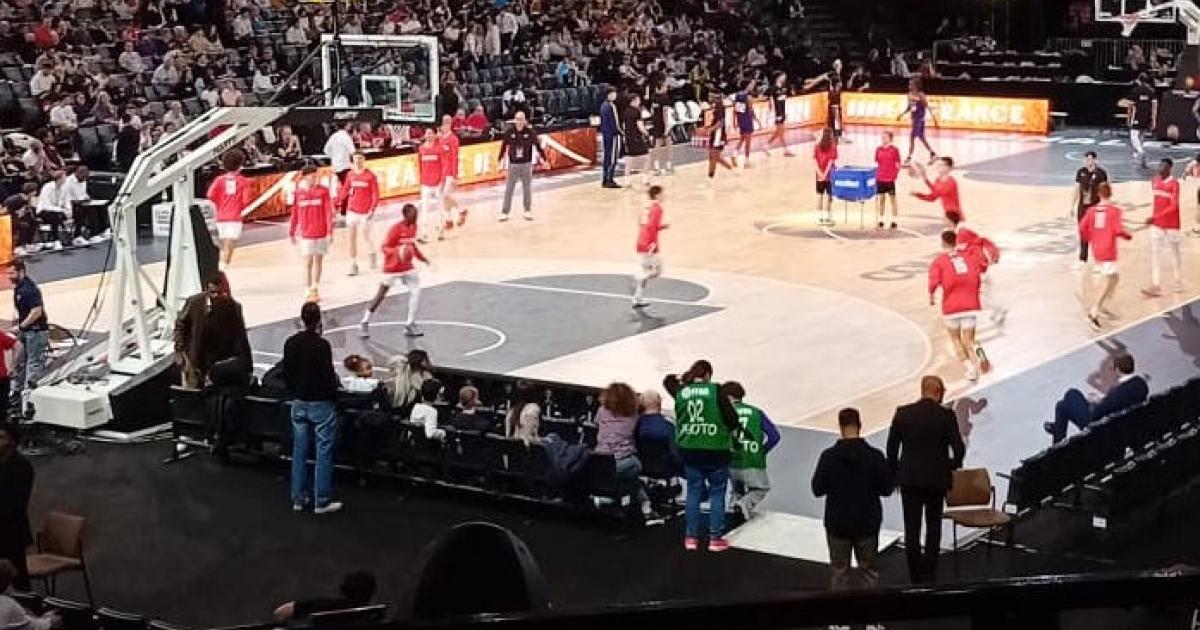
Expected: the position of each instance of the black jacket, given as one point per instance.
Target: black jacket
(924, 445)
(16, 484)
(852, 475)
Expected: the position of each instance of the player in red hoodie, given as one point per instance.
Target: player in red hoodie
(1164, 228)
(399, 251)
(649, 225)
(312, 226)
(230, 193)
(944, 188)
(359, 195)
(448, 139)
(1100, 228)
(429, 154)
(957, 274)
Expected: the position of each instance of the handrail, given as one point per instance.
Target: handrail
(1036, 601)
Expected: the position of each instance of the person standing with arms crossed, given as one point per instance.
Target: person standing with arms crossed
(450, 144)
(1088, 177)
(311, 227)
(308, 371)
(399, 251)
(649, 225)
(610, 135)
(1100, 229)
(31, 330)
(1164, 229)
(924, 447)
(958, 276)
(518, 145)
(230, 193)
(360, 197)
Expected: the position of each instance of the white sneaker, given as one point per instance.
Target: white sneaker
(19, 251)
(56, 246)
(297, 507)
(503, 218)
(972, 374)
(528, 216)
(364, 329)
(353, 270)
(411, 330)
(330, 508)
(95, 240)
(35, 247)
(79, 240)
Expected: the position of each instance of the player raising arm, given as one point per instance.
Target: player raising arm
(944, 188)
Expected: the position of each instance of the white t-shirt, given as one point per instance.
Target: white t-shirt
(50, 199)
(72, 190)
(340, 149)
(425, 415)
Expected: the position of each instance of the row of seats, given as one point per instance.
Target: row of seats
(1152, 474)
(80, 616)
(1108, 444)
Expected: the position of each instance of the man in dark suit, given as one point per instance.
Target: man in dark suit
(1076, 409)
(16, 484)
(924, 447)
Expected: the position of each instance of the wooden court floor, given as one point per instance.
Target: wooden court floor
(809, 320)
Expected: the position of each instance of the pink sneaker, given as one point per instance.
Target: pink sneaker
(717, 545)
(691, 543)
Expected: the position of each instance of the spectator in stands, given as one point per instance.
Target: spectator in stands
(45, 34)
(924, 447)
(103, 111)
(355, 591)
(12, 615)
(295, 34)
(468, 418)
(128, 140)
(16, 486)
(288, 147)
(1074, 408)
(424, 413)
(35, 160)
(131, 61)
(411, 372)
(231, 96)
(308, 371)
(174, 115)
(477, 122)
(43, 82)
(24, 217)
(524, 418)
(52, 210)
(362, 378)
(31, 329)
(616, 429)
(263, 82)
(62, 115)
(852, 475)
(513, 99)
(88, 222)
(243, 27)
(653, 426)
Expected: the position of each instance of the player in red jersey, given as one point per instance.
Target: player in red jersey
(1164, 228)
(825, 155)
(399, 251)
(230, 193)
(649, 225)
(359, 195)
(887, 168)
(311, 227)
(985, 253)
(958, 276)
(944, 188)
(449, 143)
(429, 154)
(1100, 228)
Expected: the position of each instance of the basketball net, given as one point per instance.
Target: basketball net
(1128, 23)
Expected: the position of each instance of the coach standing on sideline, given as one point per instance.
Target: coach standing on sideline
(924, 447)
(517, 146)
(31, 327)
(610, 134)
(16, 485)
(340, 149)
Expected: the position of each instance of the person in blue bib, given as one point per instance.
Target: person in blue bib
(705, 423)
(748, 466)
(743, 112)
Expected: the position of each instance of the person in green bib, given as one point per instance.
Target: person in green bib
(705, 422)
(748, 467)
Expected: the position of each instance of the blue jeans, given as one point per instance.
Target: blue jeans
(630, 468)
(321, 417)
(1075, 409)
(30, 360)
(701, 480)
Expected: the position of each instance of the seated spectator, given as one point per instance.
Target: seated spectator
(616, 428)
(168, 73)
(355, 591)
(231, 96)
(51, 209)
(103, 111)
(513, 100)
(175, 115)
(653, 426)
(243, 27)
(477, 122)
(411, 373)
(12, 615)
(295, 34)
(362, 384)
(25, 224)
(43, 82)
(524, 418)
(424, 413)
(62, 115)
(288, 147)
(1076, 409)
(262, 83)
(467, 417)
(131, 61)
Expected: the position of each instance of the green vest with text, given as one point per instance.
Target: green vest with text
(698, 422)
(749, 449)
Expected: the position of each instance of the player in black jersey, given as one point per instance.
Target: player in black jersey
(659, 127)
(834, 83)
(637, 143)
(778, 93)
(717, 134)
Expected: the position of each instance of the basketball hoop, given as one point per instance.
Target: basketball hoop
(1128, 22)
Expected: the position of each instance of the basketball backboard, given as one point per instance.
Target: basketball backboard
(1112, 10)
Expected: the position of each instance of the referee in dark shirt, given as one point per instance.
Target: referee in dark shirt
(308, 372)
(1087, 193)
(517, 146)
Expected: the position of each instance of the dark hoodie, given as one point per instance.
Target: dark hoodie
(852, 475)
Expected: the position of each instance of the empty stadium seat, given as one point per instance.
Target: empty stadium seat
(109, 619)
(75, 615)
